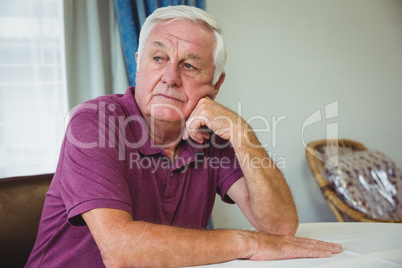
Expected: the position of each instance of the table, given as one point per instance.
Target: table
(366, 245)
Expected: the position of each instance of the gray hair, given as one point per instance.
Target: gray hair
(192, 14)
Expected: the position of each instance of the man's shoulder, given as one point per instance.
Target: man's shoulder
(104, 104)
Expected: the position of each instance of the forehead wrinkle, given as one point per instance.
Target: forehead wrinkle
(189, 55)
(181, 38)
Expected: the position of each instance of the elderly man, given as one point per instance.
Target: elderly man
(138, 173)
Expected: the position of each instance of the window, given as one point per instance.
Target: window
(33, 97)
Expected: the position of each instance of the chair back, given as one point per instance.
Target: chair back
(21, 204)
(317, 154)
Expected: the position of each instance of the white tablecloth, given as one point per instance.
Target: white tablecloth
(364, 245)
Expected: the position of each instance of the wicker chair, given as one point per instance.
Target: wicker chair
(316, 153)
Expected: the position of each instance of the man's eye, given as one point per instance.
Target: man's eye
(157, 59)
(189, 67)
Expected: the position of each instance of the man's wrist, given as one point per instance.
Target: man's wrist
(244, 138)
(246, 242)
(240, 132)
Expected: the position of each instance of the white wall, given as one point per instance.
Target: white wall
(291, 58)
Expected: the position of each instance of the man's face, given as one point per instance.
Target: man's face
(176, 70)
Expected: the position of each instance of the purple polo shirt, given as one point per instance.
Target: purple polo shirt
(108, 160)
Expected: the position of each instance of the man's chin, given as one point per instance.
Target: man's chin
(168, 114)
(166, 117)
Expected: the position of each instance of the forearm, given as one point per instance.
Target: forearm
(269, 197)
(152, 245)
(167, 246)
(123, 242)
(127, 243)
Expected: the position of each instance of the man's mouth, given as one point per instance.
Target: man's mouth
(168, 97)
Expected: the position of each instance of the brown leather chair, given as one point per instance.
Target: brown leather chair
(21, 204)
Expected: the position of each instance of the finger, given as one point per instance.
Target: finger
(196, 135)
(197, 122)
(332, 247)
(318, 245)
(306, 250)
(198, 138)
(185, 134)
(308, 253)
(205, 132)
(205, 135)
(200, 135)
(194, 127)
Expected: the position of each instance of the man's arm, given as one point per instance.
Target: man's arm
(262, 194)
(124, 242)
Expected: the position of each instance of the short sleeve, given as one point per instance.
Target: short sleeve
(93, 167)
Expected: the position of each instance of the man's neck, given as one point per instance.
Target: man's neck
(167, 135)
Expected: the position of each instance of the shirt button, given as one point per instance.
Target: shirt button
(171, 174)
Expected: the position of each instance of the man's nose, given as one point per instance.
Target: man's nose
(172, 75)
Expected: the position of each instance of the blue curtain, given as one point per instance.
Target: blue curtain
(131, 15)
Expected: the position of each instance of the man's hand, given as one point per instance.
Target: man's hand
(278, 247)
(208, 113)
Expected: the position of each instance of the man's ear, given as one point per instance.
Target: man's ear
(219, 84)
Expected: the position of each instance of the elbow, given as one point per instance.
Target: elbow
(289, 227)
(287, 224)
(286, 227)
